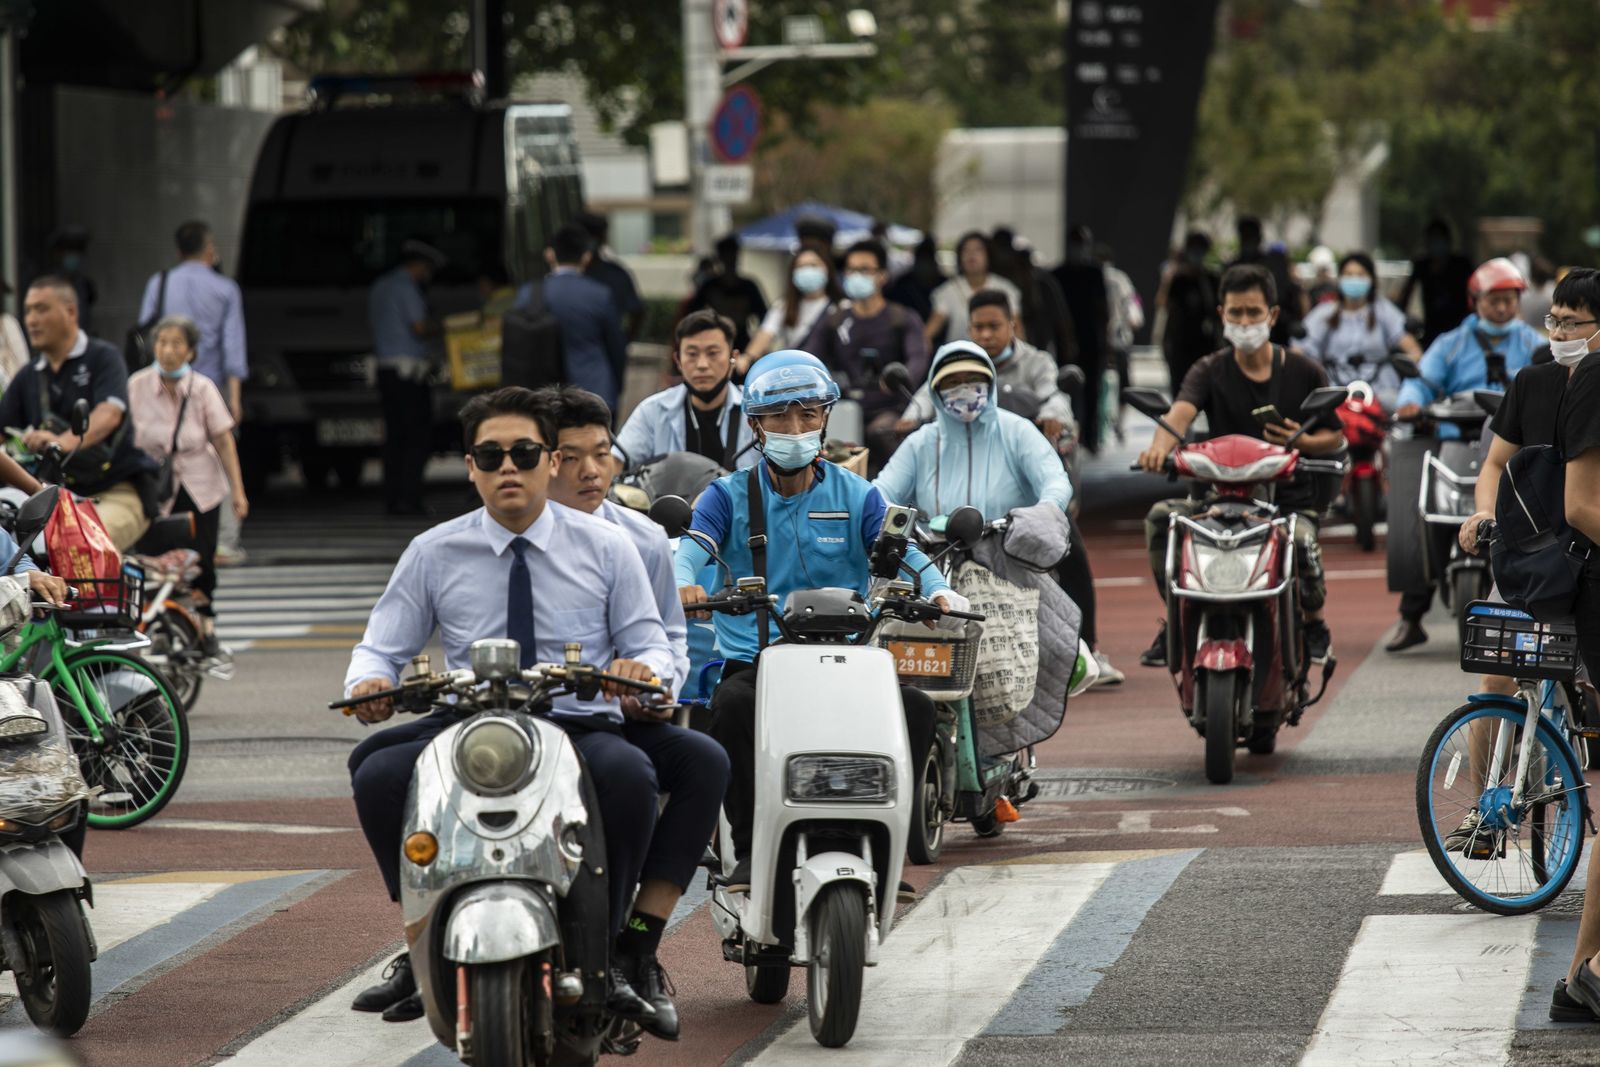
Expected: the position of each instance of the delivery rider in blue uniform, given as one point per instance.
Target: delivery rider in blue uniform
(821, 521)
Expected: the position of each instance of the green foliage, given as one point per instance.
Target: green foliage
(993, 64)
(1480, 121)
(877, 158)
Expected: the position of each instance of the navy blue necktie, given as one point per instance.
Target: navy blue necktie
(519, 603)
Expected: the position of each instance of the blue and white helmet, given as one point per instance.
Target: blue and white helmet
(788, 377)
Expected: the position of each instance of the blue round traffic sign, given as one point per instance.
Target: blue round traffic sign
(736, 125)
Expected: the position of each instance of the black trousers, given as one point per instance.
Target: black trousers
(207, 523)
(629, 770)
(1074, 576)
(733, 724)
(1415, 602)
(407, 438)
(1586, 616)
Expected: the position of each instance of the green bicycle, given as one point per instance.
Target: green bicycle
(130, 732)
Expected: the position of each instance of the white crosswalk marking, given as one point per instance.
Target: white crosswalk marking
(1427, 989)
(124, 910)
(953, 963)
(342, 1038)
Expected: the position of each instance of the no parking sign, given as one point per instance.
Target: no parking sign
(736, 125)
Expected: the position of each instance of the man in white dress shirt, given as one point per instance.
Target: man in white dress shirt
(565, 576)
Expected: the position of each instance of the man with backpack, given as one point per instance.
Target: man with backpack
(1534, 573)
(861, 338)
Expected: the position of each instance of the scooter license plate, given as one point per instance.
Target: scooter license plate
(916, 660)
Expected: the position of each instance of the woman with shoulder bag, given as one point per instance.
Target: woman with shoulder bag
(181, 421)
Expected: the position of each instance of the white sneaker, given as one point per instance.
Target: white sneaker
(230, 557)
(1109, 675)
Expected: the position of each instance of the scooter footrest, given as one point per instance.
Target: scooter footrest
(732, 951)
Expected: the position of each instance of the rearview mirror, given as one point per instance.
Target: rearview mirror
(895, 378)
(1325, 399)
(1146, 401)
(1071, 378)
(672, 514)
(79, 421)
(32, 516)
(964, 526)
(1405, 366)
(1488, 400)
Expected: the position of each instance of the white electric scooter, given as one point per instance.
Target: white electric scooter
(835, 791)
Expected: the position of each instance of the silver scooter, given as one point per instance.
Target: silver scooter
(45, 938)
(503, 880)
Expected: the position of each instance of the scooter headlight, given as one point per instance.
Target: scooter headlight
(1222, 572)
(857, 779)
(19, 727)
(494, 756)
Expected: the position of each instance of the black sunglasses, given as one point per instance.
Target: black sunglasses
(525, 454)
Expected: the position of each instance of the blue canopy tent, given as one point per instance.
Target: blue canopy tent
(776, 233)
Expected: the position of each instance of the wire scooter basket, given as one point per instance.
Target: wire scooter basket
(107, 603)
(1504, 641)
(942, 663)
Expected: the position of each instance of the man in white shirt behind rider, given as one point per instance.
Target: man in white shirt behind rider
(702, 414)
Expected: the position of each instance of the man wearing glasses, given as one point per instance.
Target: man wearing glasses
(541, 575)
(1485, 352)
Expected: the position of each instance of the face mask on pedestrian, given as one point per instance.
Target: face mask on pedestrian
(1571, 353)
(1352, 287)
(1247, 338)
(859, 286)
(1006, 353)
(966, 401)
(1494, 329)
(176, 374)
(792, 451)
(810, 279)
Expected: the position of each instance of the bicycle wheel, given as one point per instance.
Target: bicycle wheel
(140, 762)
(1532, 849)
(175, 651)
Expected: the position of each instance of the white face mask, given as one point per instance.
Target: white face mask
(1571, 353)
(1247, 338)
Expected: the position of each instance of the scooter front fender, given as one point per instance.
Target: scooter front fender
(498, 922)
(39, 867)
(1224, 655)
(816, 874)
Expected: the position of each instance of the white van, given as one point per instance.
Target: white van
(336, 190)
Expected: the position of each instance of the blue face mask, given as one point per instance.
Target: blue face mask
(859, 286)
(1353, 288)
(1495, 329)
(174, 375)
(792, 451)
(810, 279)
(1006, 353)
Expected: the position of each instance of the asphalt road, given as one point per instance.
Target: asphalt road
(1135, 915)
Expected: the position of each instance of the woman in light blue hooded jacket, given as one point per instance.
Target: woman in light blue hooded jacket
(976, 453)
(973, 452)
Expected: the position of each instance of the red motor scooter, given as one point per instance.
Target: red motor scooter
(1235, 640)
(1366, 428)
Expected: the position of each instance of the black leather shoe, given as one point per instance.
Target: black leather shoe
(398, 984)
(622, 1001)
(404, 1011)
(1565, 1008)
(1585, 988)
(1156, 654)
(653, 985)
(1408, 634)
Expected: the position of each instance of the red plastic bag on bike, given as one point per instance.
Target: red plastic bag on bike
(82, 553)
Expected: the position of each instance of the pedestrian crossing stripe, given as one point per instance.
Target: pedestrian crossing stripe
(994, 951)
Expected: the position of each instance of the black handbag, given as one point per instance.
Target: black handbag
(167, 477)
(137, 346)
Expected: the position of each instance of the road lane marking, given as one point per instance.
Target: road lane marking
(227, 826)
(1090, 946)
(952, 964)
(1427, 989)
(341, 1037)
(1414, 874)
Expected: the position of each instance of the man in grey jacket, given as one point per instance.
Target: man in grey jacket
(992, 322)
